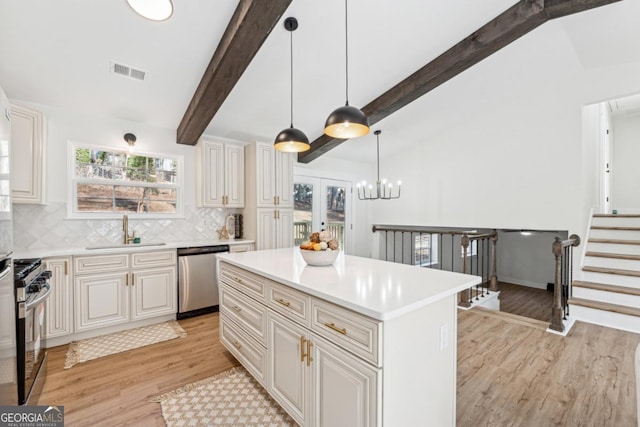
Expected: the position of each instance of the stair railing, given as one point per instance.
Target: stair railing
(425, 246)
(563, 252)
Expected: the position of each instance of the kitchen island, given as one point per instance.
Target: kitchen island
(361, 342)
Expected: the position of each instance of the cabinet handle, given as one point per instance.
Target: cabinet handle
(309, 358)
(302, 353)
(66, 270)
(237, 345)
(274, 214)
(274, 200)
(237, 280)
(283, 302)
(133, 280)
(236, 308)
(126, 280)
(278, 214)
(332, 325)
(278, 199)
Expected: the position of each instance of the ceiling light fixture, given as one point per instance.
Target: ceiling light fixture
(155, 10)
(348, 121)
(291, 140)
(384, 189)
(131, 140)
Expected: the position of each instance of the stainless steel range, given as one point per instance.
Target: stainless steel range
(32, 290)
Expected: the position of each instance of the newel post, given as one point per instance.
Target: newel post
(556, 311)
(464, 297)
(493, 281)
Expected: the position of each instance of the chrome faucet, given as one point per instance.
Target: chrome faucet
(125, 228)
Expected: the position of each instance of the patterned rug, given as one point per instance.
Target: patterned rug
(231, 398)
(105, 345)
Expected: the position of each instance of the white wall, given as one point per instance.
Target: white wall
(626, 158)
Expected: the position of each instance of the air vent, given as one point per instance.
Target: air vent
(127, 71)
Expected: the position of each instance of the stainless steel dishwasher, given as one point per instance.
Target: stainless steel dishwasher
(197, 285)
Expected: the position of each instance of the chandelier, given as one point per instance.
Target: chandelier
(383, 190)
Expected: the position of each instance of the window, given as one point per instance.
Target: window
(108, 182)
(425, 249)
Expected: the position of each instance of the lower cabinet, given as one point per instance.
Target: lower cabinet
(59, 305)
(121, 294)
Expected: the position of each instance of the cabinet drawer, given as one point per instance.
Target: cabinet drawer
(241, 248)
(357, 333)
(100, 263)
(249, 353)
(245, 281)
(153, 259)
(291, 303)
(249, 314)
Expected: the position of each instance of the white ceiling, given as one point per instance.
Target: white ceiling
(57, 53)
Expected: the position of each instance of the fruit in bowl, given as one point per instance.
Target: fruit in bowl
(321, 249)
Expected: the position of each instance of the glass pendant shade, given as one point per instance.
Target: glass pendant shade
(346, 122)
(155, 10)
(291, 140)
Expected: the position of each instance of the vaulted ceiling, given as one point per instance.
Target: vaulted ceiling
(58, 54)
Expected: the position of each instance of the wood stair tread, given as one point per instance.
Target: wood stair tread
(614, 227)
(513, 318)
(606, 287)
(606, 270)
(613, 255)
(599, 305)
(614, 241)
(616, 215)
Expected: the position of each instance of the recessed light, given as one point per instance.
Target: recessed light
(155, 10)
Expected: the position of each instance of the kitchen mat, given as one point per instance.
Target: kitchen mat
(117, 342)
(231, 398)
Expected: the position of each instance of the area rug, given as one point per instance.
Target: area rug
(117, 342)
(231, 398)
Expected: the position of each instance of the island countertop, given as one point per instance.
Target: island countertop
(378, 289)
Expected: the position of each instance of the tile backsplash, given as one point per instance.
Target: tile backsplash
(46, 227)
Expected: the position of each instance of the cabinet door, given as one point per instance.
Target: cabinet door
(266, 229)
(28, 135)
(344, 389)
(59, 305)
(234, 176)
(265, 175)
(284, 228)
(101, 300)
(211, 174)
(287, 373)
(153, 292)
(284, 179)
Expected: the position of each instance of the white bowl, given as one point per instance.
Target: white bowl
(319, 258)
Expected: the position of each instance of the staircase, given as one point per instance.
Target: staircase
(609, 293)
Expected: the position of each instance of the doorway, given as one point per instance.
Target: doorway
(321, 204)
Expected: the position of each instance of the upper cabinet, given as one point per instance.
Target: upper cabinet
(220, 175)
(274, 173)
(28, 147)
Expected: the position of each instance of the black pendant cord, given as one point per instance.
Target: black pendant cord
(346, 52)
(291, 80)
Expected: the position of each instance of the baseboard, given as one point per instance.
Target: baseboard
(523, 283)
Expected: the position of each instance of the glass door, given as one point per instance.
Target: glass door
(321, 204)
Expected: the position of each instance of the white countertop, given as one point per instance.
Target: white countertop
(378, 289)
(117, 248)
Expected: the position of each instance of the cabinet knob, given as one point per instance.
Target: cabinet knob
(237, 345)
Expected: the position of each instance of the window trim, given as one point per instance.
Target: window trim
(73, 213)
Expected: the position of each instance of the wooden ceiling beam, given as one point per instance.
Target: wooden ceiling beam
(248, 28)
(515, 22)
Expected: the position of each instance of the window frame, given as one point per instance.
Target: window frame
(73, 180)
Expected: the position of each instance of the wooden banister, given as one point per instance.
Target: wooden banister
(560, 251)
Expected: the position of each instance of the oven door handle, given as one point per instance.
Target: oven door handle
(38, 300)
(5, 272)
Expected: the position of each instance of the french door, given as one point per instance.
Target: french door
(321, 204)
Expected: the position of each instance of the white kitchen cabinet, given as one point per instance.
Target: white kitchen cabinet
(59, 305)
(220, 171)
(268, 214)
(28, 154)
(129, 287)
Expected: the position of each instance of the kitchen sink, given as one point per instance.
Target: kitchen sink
(123, 246)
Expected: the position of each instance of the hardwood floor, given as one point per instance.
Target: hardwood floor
(526, 301)
(114, 390)
(509, 374)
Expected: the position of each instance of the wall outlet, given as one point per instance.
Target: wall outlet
(444, 336)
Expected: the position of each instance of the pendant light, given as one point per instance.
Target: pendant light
(291, 140)
(383, 189)
(155, 10)
(348, 121)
